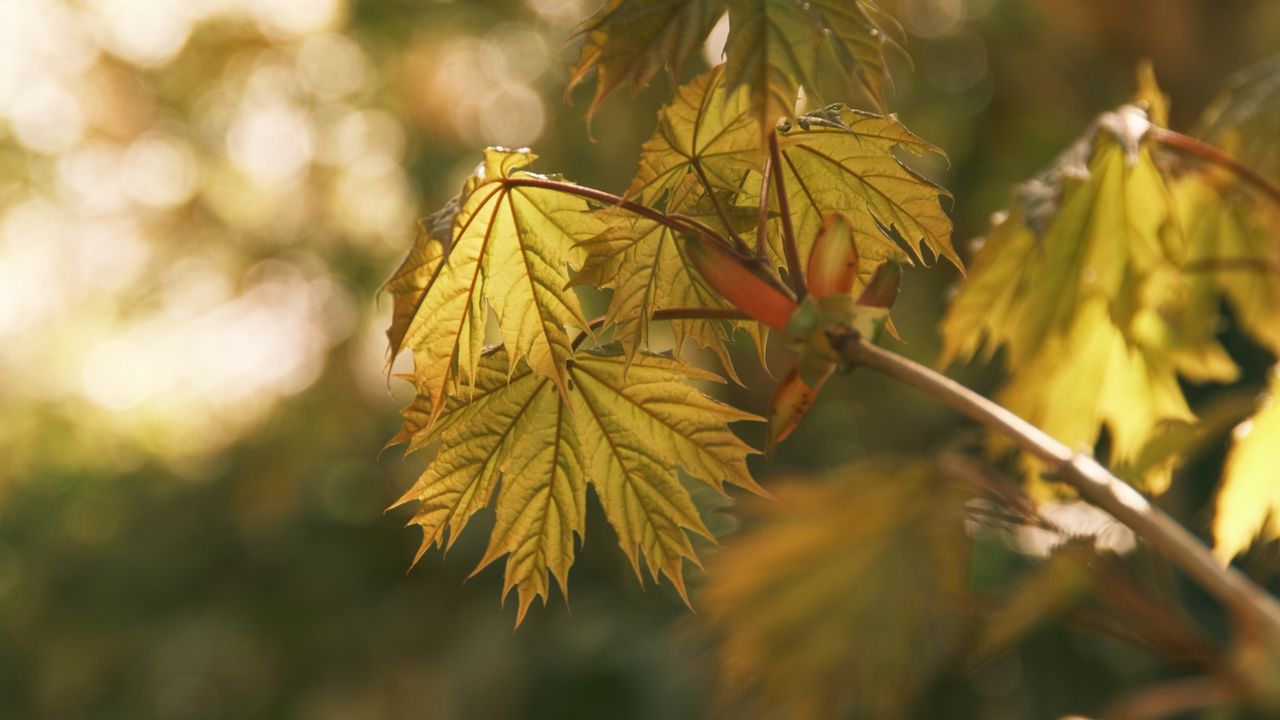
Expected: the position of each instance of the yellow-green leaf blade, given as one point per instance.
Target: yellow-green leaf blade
(1248, 504)
(628, 42)
(511, 250)
(514, 435)
(843, 161)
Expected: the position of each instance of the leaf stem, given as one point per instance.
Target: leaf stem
(679, 313)
(679, 223)
(790, 249)
(1081, 471)
(762, 223)
(738, 242)
(1206, 151)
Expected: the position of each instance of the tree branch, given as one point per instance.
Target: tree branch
(792, 252)
(1094, 482)
(1205, 151)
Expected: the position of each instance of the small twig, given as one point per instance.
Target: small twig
(762, 222)
(1094, 482)
(1205, 151)
(1173, 698)
(790, 249)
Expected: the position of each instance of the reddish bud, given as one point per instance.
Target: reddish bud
(735, 281)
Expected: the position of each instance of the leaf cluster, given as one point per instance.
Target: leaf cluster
(732, 190)
(1108, 282)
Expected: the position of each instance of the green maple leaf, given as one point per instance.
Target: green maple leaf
(843, 161)
(777, 46)
(645, 264)
(628, 42)
(510, 250)
(705, 141)
(537, 448)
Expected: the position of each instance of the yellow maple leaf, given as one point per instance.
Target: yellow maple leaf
(1248, 504)
(1080, 284)
(623, 437)
(510, 250)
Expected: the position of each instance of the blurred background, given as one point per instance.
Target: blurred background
(198, 203)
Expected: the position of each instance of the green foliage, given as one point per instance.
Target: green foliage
(685, 241)
(1103, 286)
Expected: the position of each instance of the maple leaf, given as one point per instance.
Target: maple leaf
(1231, 227)
(648, 267)
(510, 249)
(623, 437)
(843, 161)
(1248, 502)
(777, 46)
(1079, 283)
(861, 35)
(704, 142)
(1231, 252)
(1245, 118)
(847, 589)
(628, 42)
(417, 272)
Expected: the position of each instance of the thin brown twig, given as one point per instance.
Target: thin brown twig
(1081, 471)
(790, 249)
(1205, 151)
(1173, 699)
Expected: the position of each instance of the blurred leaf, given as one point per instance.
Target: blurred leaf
(628, 42)
(847, 593)
(624, 437)
(1245, 118)
(511, 248)
(1232, 252)
(777, 46)
(1248, 504)
(1050, 590)
(1079, 283)
(1231, 228)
